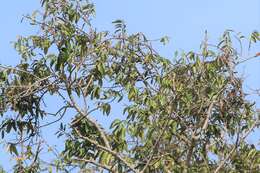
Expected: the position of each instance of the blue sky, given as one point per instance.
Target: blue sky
(184, 21)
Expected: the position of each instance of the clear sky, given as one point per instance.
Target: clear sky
(184, 21)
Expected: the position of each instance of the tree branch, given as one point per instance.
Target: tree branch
(96, 164)
(235, 147)
(115, 154)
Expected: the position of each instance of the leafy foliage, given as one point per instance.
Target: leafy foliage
(186, 115)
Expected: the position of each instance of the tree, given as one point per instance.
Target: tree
(185, 115)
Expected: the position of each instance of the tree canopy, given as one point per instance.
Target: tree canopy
(189, 114)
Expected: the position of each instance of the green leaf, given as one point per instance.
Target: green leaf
(106, 108)
(115, 123)
(12, 149)
(164, 40)
(9, 127)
